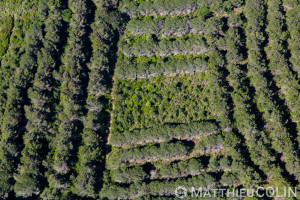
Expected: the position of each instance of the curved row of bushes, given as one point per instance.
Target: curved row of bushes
(163, 133)
(10, 60)
(132, 68)
(176, 169)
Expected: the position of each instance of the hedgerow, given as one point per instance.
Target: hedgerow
(146, 153)
(266, 100)
(137, 68)
(13, 119)
(163, 133)
(157, 188)
(147, 46)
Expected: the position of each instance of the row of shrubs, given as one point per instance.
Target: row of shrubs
(220, 99)
(177, 169)
(157, 187)
(293, 21)
(192, 166)
(176, 26)
(147, 46)
(136, 68)
(39, 113)
(163, 133)
(279, 64)
(162, 151)
(176, 7)
(244, 114)
(18, 69)
(266, 99)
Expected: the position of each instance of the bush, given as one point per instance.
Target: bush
(129, 174)
(210, 143)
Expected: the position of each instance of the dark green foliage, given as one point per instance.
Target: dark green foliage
(277, 54)
(234, 44)
(266, 100)
(129, 99)
(149, 47)
(30, 178)
(243, 113)
(6, 26)
(203, 12)
(218, 92)
(147, 153)
(247, 174)
(183, 168)
(175, 7)
(157, 188)
(13, 117)
(131, 68)
(219, 162)
(96, 122)
(229, 179)
(129, 174)
(71, 100)
(192, 166)
(175, 26)
(158, 100)
(10, 60)
(259, 147)
(210, 143)
(163, 133)
(157, 7)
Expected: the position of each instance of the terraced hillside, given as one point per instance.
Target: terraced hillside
(133, 99)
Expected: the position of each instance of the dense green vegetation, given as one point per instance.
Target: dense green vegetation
(136, 68)
(129, 99)
(163, 133)
(158, 100)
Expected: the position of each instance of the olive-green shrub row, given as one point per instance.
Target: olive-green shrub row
(162, 151)
(265, 97)
(163, 133)
(137, 68)
(176, 7)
